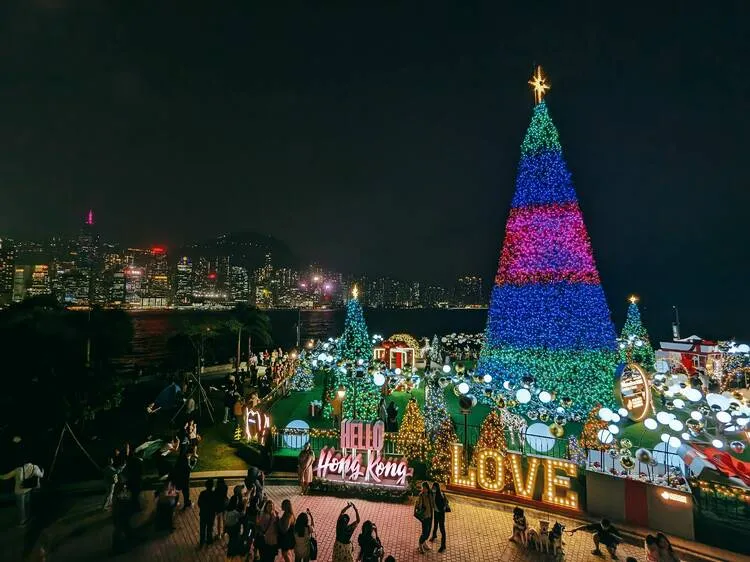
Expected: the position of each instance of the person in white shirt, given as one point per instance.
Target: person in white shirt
(23, 494)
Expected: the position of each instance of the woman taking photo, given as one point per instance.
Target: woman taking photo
(370, 547)
(342, 548)
(304, 528)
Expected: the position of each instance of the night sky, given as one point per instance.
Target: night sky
(385, 140)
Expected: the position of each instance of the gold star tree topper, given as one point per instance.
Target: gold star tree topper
(539, 84)
(355, 292)
(633, 299)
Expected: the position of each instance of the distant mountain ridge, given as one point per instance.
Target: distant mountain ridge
(246, 249)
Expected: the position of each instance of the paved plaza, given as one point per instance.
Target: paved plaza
(477, 530)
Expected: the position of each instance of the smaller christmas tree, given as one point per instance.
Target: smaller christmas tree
(590, 434)
(411, 440)
(435, 350)
(442, 447)
(303, 379)
(491, 436)
(640, 350)
(355, 343)
(435, 409)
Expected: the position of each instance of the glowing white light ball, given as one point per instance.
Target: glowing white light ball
(723, 417)
(545, 396)
(487, 378)
(523, 396)
(674, 442)
(397, 371)
(661, 366)
(605, 414)
(605, 436)
(692, 394)
(463, 388)
(664, 417)
(696, 415)
(650, 423)
(676, 425)
(322, 357)
(678, 403)
(613, 429)
(623, 412)
(615, 418)
(446, 368)
(686, 437)
(378, 379)
(665, 437)
(294, 440)
(717, 443)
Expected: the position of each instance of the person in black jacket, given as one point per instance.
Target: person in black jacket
(438, 521)
(207, 507)
(181, 477)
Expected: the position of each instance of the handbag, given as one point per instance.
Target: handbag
(447, 505)
(419, 510)
(313, 548)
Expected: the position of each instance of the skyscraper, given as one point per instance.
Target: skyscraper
(157, 273)
(7, 265)
(184, 281)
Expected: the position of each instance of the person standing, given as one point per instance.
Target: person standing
(342, 548)
(337, 406)
(370, 547)
(110, 481)
(424, 511)
(220, 505)
(391, 422)
(181, 477)
(305, 463)
(286, 531)
(304, 527)
(134, 477)
(207, 507)
(441, 508)
(22, 488)
(268, 532)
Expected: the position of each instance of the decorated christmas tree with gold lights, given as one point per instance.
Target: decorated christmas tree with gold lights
(411, 440)
(491, 436)
(442, 447)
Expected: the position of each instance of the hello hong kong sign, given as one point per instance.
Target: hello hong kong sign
(360, 460)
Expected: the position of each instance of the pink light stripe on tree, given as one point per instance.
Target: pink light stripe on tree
(546, 244)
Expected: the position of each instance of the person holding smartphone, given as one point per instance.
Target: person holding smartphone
(342, 548)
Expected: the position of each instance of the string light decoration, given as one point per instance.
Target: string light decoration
(442, 445)
(576, 452)
(524, 488)
(435, 408)
(491, 436)
(411, 440)
(488, 475)
(641, 352)
(458, 478)
(548, 316)
(553, 481)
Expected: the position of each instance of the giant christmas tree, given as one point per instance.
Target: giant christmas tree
(548, 316)
(361, 396)
(639, 350)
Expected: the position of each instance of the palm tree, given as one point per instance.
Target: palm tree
(254, 322)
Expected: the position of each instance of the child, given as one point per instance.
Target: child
(519, 526)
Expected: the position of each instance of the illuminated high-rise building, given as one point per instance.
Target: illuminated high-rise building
(184, 281)
(7, 268)
(239, 284)
(134, 285)
(157, 273)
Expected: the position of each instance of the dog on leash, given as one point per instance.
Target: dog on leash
(533, 539)
(555, 540)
